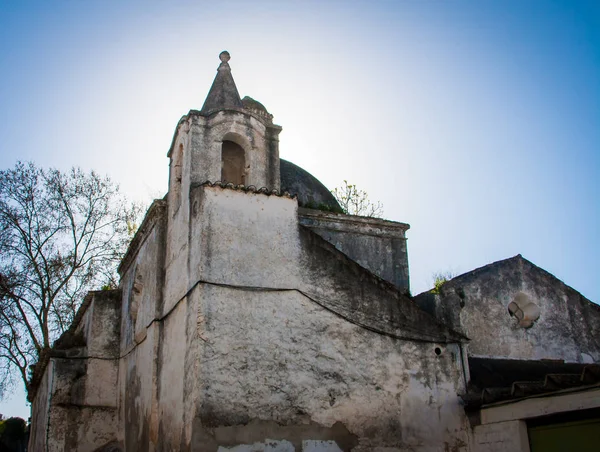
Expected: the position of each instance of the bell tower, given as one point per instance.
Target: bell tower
(231, 140)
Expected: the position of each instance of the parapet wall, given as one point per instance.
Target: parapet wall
(377, 245)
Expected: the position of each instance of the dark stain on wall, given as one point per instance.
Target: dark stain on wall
(137, 431)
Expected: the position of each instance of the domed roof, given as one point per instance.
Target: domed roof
(257, 108)
(253, 104)
(310, 192)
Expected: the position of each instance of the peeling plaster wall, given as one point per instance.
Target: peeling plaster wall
(244, 239)
(316, 377)
(171, 411)
(264, 361)
(75, 407)
(568, 327)
(254, 240)
(85, 429)
(142, 283)
(40, 411)
(138, 428)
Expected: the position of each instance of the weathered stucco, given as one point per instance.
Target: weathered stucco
(40, 411)
(143, 285)
(202, 138)
(566, 327)
(286, 349)
(282, 346)
(377, 245)
(300, 366)
(76, 403)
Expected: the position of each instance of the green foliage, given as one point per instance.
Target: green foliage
(321, 206)
(356, 202)
(310, 204)
(439, 279)
(327, 208)
(437, 285)
(132, 228)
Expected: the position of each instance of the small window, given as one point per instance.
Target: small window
(233, 163)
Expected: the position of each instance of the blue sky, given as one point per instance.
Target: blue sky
(478, 123)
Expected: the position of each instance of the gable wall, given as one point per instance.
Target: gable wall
(568, 327)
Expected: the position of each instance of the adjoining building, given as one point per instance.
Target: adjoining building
(253, 316)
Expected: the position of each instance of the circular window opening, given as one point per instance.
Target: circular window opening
(438, 351)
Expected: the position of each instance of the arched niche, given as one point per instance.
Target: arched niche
(233, 163)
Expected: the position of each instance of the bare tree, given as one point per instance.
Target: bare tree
(356, 202)
(61, 234)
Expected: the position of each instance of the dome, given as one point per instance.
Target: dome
(252, 104)
(257, 108)
(310, 192)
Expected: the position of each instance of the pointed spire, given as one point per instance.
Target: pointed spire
(223, 93)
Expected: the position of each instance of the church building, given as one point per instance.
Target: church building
(254, 315)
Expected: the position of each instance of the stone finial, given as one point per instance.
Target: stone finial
(223, 93)
(224, 56)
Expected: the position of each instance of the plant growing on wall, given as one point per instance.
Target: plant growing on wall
(356, 202)
(61, 234)
(439, 279)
